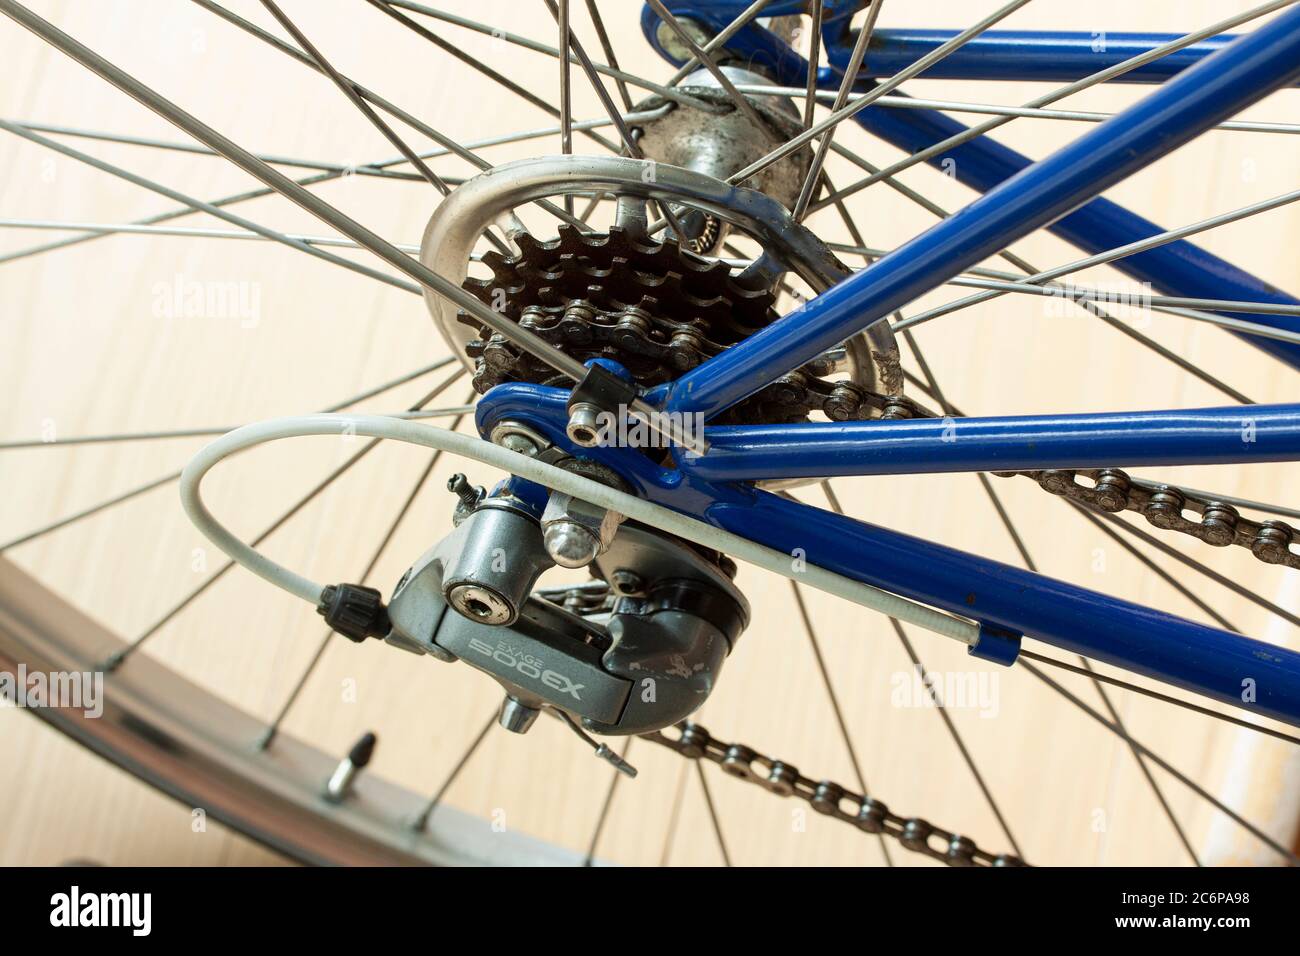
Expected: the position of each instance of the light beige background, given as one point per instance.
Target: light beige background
(85, 350)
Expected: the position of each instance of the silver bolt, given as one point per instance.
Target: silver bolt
(480, 605)
(515, 716)
(519, 443)
(584, 425)
(570, 544)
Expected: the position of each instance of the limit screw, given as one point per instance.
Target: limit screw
(469, 496)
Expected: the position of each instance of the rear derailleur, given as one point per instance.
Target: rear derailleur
(634, 650)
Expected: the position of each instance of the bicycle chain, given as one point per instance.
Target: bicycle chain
(830, 799)
(777, 776)
(1220, 524)
(1113, 490)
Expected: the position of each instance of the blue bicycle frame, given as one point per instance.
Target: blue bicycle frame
(1201, 86)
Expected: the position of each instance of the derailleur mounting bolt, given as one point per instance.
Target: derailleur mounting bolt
(570, 544)
(602, 389)
(584, 425)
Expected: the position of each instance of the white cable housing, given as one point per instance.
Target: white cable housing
(557, 479)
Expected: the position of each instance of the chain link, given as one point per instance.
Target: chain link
(830, 799)
(864, 813)
(1216, 523)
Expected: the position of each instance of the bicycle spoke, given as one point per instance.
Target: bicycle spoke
(1087, 670)
(1120, 252)
(674, 814)
(560, 14)
(814, 64)
(1087, 305)
(1155, 569)
(1195, 565)
(274, 726)
(911, 70)
(996, 109)
(363, 92)
(422, 819)
(1187, 307)
(200, 205)
(565, 43)
(1028, 560)
(608, 802)
(1100, 76)
(1165, 765)
(274, 160)
(624, 133)
(316, 179)
(629, 78)
(198, 432)
(730, 30)
(948, 722)
(126, 228)
(165, 479)
(713, 811)
(607, 47)
(347, 88)
(942, 710)
(89, 512)
(835, 704)
(722, 79)
(841, 98)
(491, 74)
(119, 657)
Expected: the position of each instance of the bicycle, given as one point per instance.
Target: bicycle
(659, 415)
